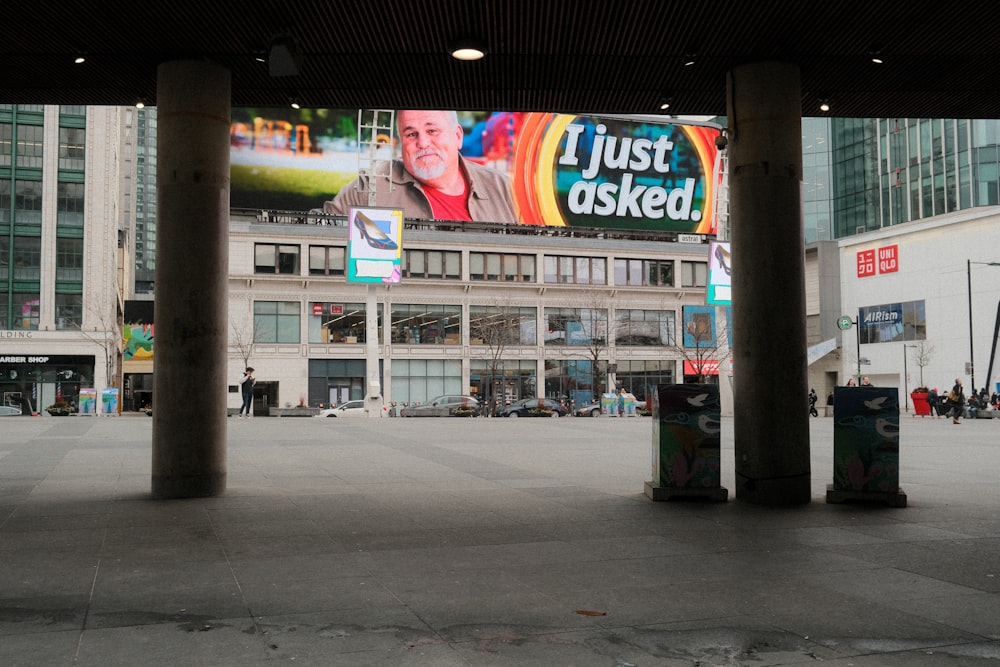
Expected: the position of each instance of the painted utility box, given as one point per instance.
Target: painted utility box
(687, 443)
(866, 446)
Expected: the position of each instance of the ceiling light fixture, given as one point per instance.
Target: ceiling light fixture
(468, 49)
(295, 104)
(689, 60)
(824, 105)
(79, 60)
(665, 104)
(140, 105)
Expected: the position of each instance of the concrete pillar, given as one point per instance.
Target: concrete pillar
(771, 420)
(192, 185)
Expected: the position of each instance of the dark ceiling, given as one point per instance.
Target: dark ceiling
(573, 56)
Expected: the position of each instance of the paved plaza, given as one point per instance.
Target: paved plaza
(440, 542)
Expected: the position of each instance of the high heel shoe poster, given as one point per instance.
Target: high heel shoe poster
(375, 245)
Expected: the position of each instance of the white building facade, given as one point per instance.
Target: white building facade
(60, 251)
(913, 287)
(578, 315)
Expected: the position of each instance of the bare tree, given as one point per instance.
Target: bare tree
(497, 326)
(106, 333)
(705, 339)
(242, 327)
(923, 353)
(584, 331)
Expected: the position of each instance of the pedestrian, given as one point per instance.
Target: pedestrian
(866, 381)
(247, 382)
(956, 400)
(851, 383)
(932, 402)
(621, 402)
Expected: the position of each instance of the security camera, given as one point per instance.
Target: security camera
(721, 142)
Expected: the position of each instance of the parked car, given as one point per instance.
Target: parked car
(348, 409)
(444, 406)
(9, 411)
(534, 407)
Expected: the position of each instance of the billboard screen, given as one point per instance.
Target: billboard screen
(533, 168)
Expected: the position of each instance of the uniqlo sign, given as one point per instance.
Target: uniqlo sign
(888, 259)
(866, 263)
(882, 260)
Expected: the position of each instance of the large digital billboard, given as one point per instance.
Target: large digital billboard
(637, 173)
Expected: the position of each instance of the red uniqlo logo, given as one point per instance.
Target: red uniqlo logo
(888, 259)
(866, 263)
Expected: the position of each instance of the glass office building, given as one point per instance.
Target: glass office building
(863, 174)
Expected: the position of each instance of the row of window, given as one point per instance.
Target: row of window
(496, 327)
(577, 380)
(21, 145)
(280, 258)
(21, 202)
(20, 309)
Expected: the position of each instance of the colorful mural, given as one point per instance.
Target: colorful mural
(137, 341)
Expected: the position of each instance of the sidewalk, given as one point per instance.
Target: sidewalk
(444, 542)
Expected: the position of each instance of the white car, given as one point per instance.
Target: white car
(348, 409)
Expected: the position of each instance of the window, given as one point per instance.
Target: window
(431, 325)
(575, 270)
(338, 322)
(694, 274)
(72, 141)
(275, 258)
(27, 258)
(6, 147)
(327, 260)
(644, 327)
(29, 146)
(276, 322)
(500, 326)
(28, 202)
(421, 380)
(69, 204)
(69, 311)
(5, 200)
(25, 310)
(576, 326)
(644, 272)
(69, 259)
(439, 264)
(502, 267)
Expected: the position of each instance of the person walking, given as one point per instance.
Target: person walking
(247, 382)
(621, 402)
(956, 400)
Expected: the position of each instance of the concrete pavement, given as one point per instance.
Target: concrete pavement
(446, 542)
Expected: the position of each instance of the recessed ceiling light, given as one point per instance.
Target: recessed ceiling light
(140, 105)
(468, 49)
(824, 106)
(80, 59)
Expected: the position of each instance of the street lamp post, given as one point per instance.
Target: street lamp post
(906, 388)
(968, 279)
